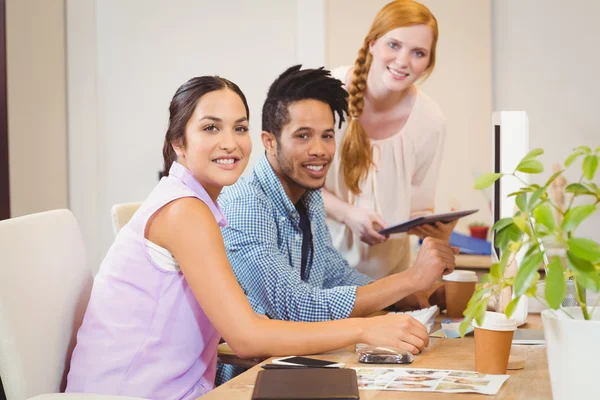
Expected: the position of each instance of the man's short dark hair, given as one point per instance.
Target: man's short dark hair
(295, 85)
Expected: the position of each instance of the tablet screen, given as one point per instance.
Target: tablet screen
(429, 219)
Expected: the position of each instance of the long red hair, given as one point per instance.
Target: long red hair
(357, 154)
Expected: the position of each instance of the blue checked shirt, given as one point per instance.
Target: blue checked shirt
(264, 245)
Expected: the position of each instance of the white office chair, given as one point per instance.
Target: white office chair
(44, 290)
(121, 214)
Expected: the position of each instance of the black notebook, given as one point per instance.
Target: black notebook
(306, 384)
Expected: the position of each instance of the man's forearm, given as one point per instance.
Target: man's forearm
(382, 293)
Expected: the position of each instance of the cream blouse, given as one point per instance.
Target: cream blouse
(399, 187)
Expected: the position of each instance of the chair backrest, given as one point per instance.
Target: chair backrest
(122, 213)
(45, 286)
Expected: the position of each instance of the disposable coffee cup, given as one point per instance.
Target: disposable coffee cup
(460, 286)
(493, 340)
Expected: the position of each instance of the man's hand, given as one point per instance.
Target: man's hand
(438, 231)
(435, 258)
(435, 296)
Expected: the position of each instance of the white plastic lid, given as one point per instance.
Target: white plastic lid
(494, 321)
(461, 276)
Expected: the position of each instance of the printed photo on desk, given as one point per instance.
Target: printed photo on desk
(429, 380)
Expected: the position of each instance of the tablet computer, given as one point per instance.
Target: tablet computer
(428, 219)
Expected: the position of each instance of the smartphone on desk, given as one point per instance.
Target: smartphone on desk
(307, 362)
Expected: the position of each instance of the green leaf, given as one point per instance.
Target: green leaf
(590, 163)
(583, 149)
(594, 187)
(553, 177)
(535, 197)
(485, 278)
(526, 272)
(521, 201)
(578, 188)
(544, 215)
(464, 325)
(510, 308)
(530, 188)
(530, 166)
(475, 310)
(478, 295)
(486, 180)
(514, 247)
(480, 310)
(510, 233)
(584, 272)
(495, 270)
(572, 158)
(515, 193)
(501, 224)
(556, 287)
(585, 249)
(533, 247)
(576, 215)
(533, 285)
(504, 261)
(597, 150)
(533, 153)
(521, 222)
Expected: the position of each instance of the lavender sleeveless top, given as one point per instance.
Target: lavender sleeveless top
(144, 334)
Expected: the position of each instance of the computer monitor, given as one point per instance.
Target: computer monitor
(510, 143)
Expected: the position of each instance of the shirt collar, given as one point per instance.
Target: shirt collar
(185, 176)
(272, 186)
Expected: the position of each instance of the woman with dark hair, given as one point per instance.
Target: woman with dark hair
(165, 292)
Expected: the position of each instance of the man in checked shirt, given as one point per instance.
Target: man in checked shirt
(277, 240)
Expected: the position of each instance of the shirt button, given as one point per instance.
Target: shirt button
(298, 237)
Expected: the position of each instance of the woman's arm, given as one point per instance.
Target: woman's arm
(425, 180)
(335, 208)
(361, 221)
(187, 228)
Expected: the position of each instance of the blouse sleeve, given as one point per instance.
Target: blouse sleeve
(424, 181)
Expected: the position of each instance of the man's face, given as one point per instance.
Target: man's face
(305, 147)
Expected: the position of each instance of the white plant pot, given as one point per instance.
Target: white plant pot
(573, 348)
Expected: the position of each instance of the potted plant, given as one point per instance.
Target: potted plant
(479, 230)
(544, 232)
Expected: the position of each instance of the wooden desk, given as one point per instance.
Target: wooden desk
(532, 382)
(479, 264)
(473, 261)
(467, 261)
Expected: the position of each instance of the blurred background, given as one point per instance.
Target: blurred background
(88, 84)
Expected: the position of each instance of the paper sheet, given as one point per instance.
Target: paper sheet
(429, 380)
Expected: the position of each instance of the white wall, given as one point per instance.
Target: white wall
(82, 123)
(37, 138)
(546, 63)
(461, 84)
(126, 59)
